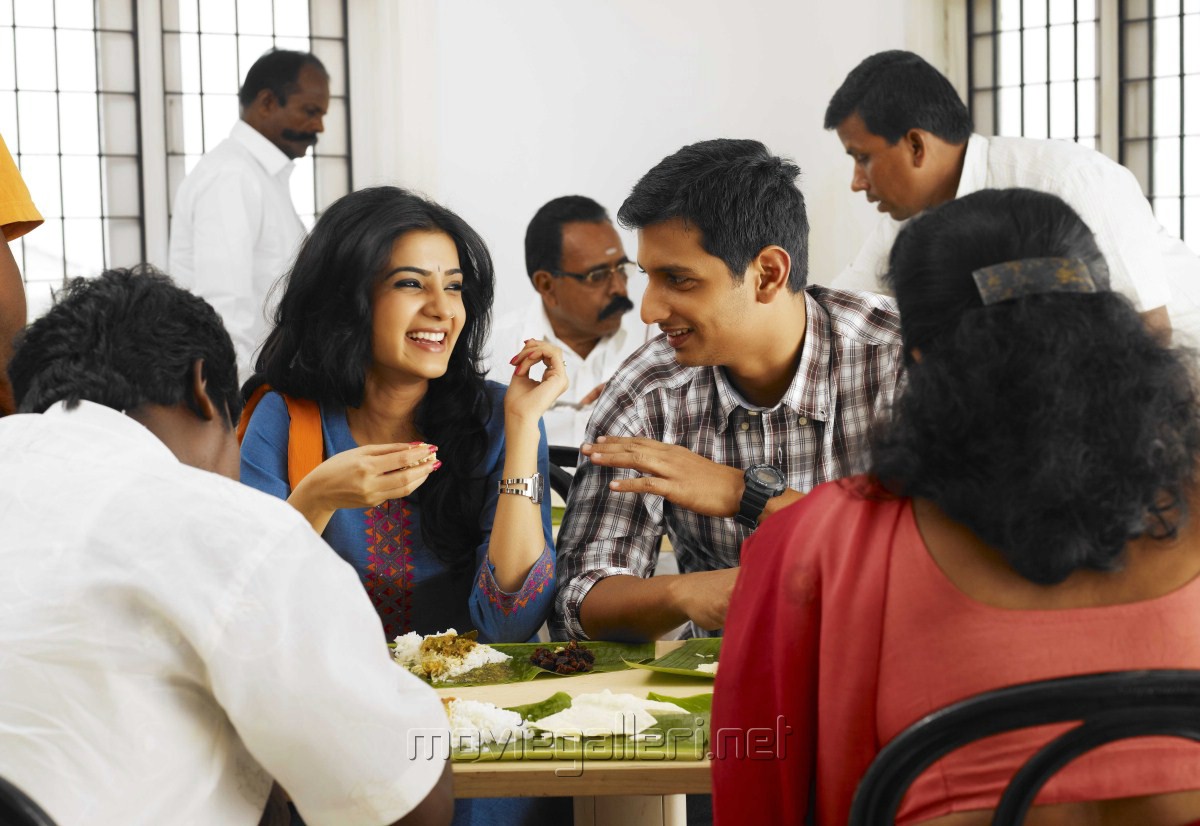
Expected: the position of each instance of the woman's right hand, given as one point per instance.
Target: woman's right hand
(368, 476)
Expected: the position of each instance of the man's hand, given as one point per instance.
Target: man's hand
(704, 596)
(675, 473)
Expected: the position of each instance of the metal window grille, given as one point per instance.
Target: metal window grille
(69, 112)
(1032, 68)
(207, 49)
(1160, 108)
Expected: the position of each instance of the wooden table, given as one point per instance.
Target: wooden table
(605, 792)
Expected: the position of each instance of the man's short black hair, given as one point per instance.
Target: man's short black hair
(124, 339)
(543, 238)
(740, 196)
(279, 71)
(896, 91)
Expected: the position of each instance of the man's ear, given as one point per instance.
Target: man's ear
(204, 404)
(917, 141)
(265, 101)
(543, 282)
(771, 268)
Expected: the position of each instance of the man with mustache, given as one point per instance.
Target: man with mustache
(234, 229)
(576, 263)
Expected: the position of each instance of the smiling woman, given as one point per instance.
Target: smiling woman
(380, 325)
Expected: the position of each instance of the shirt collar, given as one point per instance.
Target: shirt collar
(809, 392)
(131, 434)
(270, 156)
(974, 173)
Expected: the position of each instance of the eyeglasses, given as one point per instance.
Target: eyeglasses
(600, 275)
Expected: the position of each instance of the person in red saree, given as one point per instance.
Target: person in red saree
(1029, 513)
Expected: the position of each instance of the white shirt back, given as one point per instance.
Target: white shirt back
(235, 232)
(170, 640)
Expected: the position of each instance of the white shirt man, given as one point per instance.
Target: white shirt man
(234, 228)
(911, 140)
(577, 265)
(1144, 261)
(170, 640)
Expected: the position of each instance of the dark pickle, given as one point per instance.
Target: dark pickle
(571, 658)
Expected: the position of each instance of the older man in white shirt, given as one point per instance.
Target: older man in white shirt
(234, 229)
(179, 640)
(577, 264)
(910, 137)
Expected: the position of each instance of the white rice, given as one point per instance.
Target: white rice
(408, 654)
(474, 724)
(605, 714)
(707, 668)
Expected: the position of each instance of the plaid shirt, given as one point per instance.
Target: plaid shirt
(849, 365)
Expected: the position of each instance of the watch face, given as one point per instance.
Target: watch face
(767, 476)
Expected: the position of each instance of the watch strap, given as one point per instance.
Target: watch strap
(528, 486)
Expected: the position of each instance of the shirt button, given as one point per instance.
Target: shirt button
(802, 421)
(745, 425)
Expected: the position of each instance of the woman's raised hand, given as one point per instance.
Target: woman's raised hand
(527, 397)
(369, 475)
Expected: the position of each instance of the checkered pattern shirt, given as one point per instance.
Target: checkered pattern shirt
(849, 364)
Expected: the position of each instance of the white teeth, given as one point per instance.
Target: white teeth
(424, 336)
(678, 332)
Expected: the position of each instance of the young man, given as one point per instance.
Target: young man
(234, 228)
(759, 390)
(173, 640)
(576, 263)
(911, 140)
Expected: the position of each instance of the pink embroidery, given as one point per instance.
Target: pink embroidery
(539, 577)
(389, 572)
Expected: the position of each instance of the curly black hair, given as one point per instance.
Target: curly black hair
(1055, 426)
(320, 346)
(123, 339)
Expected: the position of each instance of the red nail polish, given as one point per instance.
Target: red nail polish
(413, 444)
(437, 465)
(433, 448)
(513, 360)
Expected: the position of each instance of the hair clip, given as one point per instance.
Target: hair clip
(1034, 276)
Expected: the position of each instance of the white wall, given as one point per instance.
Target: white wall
(493, 108)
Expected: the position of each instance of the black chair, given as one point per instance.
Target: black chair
(1111, 706)
(563, 460)
(18, 809)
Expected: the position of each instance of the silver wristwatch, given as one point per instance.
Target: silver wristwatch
(530, 486)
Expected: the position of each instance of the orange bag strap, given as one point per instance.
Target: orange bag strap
(306, 445)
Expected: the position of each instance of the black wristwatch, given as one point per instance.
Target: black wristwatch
(762, 483)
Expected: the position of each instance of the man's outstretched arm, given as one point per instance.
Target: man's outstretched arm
(641, 609)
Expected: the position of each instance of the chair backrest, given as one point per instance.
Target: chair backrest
(1110, 706)
(18, 808)
(563, 460)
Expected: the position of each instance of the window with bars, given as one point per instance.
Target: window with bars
(207, 49)
(1160, 108)
(69, 112)
(1032, 68)
(74, 109)
(1153, 86)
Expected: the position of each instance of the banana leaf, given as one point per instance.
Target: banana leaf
(683, 660)
(610, 656)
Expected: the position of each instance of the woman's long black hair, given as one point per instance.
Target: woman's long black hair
(1055, 426)
(320, 347)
